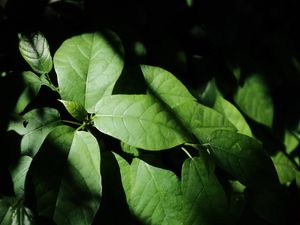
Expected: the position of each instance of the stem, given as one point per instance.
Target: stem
(72, 122)
(186, 152)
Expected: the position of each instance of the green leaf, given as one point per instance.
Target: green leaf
(253, 98)
(88, 66)
(65, 177)
(204, 199)
(140, 121)
(32, 87)
(165, 86)
(244, 158)
(210, 93)
(290, 141)
(233, 115)
(286, 170)
(35, 125)
(153, 194)
(35, 50)
(201, 120)
(75, 109)
(18, 173)
(12, 211)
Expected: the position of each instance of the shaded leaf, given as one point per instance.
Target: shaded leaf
(204, 199)
(32, 86)
(254, 99)
(35, 50)
(75, 109)
(233, 115)
(140, 121)
(65, 177)
(286, 170)
(88, 66)
(35, 125)
(18, 174)
(12, 211)
(153, 194)
(244, 158)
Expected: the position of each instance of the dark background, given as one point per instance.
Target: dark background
(195, 43)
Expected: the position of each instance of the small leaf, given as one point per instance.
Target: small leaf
(201, 120)
(233, 115)
(35, 50)
(290, 141)
(65, 178)
(75, 109)
(35, 125)
(153, 194)
(18, 174)
(253, 98)
(88, 67)
(204, 199)
(165, 86)
(129, 149)
(140, 121)
(244, 158)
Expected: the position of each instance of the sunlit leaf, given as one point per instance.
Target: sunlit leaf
(153, 194)
(35, 125)
(140, 121)
(35, 50)
(65, 177)
(88, 66)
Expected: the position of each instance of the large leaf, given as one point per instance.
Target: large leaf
(140, 121)
(12, 211)
(153, 194)
(244, 158)
(35, 125)
(204, 199)
(35, 50)
(233, 115)
(165, 86)
(18, 173)
(201, 120)
(254, 99)
(88, 66)
(65, 177)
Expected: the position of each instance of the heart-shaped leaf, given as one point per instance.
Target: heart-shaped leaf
(88, 66)
(64, 177)
(35, 50)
